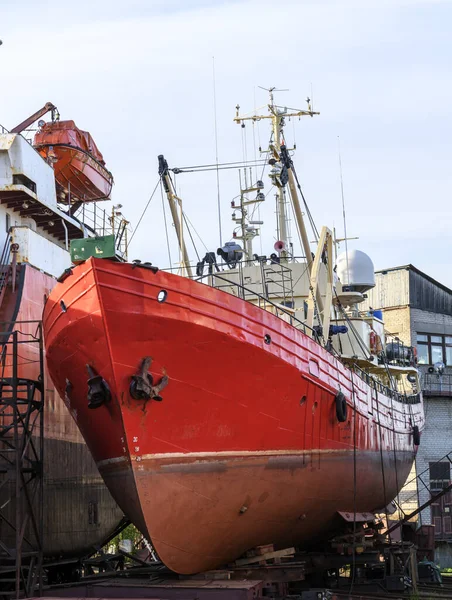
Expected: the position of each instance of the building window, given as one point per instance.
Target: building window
(439, 475)
(8, 222)
(441, 508)
(432, 348)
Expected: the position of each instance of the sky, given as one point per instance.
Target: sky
(139, 76)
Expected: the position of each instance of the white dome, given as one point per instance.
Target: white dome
(356, 270)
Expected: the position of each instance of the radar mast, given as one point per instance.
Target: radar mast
(281, 172)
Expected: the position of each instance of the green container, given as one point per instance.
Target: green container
(99, 247)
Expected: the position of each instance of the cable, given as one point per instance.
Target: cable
(142, 214)
(354, 482)
(343, 205)
(191, 237)
(385, 501)
(237, 163)
(216, 149)
(308, 212)
(193, 227)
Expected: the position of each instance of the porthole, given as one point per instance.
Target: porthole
(162, 295)
(267, 339)
(303, 400)
(63, 306)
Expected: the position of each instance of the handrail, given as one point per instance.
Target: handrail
(384, 389)
(4, 262)
(434, 384)
(366, 377)
(262, 298)
(99, 222)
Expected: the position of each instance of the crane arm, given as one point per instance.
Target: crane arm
(37, 115)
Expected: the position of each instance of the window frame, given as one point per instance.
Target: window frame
(429, 344)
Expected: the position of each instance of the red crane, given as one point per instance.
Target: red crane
(48, 107)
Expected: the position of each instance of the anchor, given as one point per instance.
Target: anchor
(142, 385)
(98, 390)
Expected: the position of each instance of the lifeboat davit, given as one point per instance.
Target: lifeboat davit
(79, 165)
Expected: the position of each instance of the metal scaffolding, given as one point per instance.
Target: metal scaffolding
(21, 458)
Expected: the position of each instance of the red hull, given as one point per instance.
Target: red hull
(79, 166)
(245, 448)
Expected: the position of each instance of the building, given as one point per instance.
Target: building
(418, 310)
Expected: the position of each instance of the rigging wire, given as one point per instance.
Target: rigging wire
(354, 481)
(216, 150)
(193, 227)
(383, 476)
(142, 214)
(189, 233)
(214, 168)
(238, 164)
(296, 223)
(308, 212)
(343, 204)
(166, 225)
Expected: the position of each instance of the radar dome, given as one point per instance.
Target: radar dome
(356, 271)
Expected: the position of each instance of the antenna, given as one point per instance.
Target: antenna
(216, 148)
(271, 90)
(343, 204)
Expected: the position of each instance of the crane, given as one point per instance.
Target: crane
(48, 107)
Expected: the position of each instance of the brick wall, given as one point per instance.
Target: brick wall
(436, 442)
(397, 322)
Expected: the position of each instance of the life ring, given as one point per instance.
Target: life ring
(373, 342)
(341, 407)
(416, 435)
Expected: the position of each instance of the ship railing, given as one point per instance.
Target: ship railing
(287, 315)
(5, 266)
(100, 223)
(384, 389)
(279, 277)
(3, 129)
(412, 492)
(242, 291)
(434, 384)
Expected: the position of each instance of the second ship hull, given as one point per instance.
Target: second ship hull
(79, 512)
(245, 448)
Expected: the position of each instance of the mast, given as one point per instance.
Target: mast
(173, 201)
(248, 229)
(281, 172)
(281, 196)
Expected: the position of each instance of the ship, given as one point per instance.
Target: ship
(36, 227)
(244, 401)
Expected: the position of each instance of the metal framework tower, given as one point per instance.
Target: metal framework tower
(21, 459)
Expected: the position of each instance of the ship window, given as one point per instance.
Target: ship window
(21, 179)
(161, 297)
(432, 348)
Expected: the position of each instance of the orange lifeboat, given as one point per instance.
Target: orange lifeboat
(79, 165)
